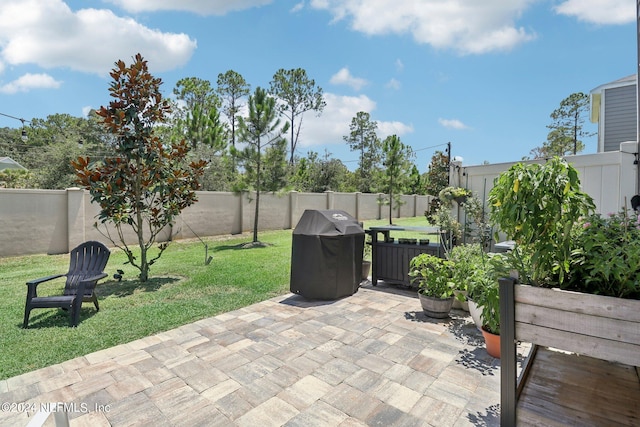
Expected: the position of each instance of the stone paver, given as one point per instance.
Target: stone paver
(371, 359)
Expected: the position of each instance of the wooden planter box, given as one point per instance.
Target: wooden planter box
(602, 327)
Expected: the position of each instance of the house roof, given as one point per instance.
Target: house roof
(625, 81)
(596, 94)
(9, 163)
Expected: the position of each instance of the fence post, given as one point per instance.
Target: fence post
(293, 208)
(508, 353)
(75, 217)
(329, 194)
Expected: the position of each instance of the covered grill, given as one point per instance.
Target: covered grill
(326, 255)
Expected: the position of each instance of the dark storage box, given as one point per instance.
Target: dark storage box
(326, 255)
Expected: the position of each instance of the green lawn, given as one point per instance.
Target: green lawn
(182, 289)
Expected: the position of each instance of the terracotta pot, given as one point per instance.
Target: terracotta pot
(435, 307)
(493, 343)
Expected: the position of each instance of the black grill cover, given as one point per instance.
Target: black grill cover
(326, 255)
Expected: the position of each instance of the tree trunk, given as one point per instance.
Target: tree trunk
(255, 216)
(293, 142)
(144, 266)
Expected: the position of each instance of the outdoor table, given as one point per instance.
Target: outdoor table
(390, 258)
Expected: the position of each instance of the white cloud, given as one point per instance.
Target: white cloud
(334, 122)
(599, 11)
(344, 77)
(466, 26)
(201, 7)
(393, 128)
(30, 81)
(86, 110)
(453, 124)
(393, 84)
(90, 40)
(399, 65)
(298, 7)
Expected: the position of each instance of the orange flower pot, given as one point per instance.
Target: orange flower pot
(492, 342)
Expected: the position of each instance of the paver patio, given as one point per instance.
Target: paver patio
(369, 359)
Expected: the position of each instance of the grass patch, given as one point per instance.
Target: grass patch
(181, 290)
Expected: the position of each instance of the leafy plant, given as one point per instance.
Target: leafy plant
(479, 272)
(539, 206)
(468, 260)
(147, 183)
(489, 300)
(434, 275)
(606, 256)
(483, 287)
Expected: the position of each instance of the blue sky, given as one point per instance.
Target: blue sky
(484, 75)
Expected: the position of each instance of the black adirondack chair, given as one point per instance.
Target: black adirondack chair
(86, 267)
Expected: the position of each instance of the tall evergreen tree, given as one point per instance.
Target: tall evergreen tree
(259, 130)
(232, 87)
(298, 94)
(566, 130)
(397, 162)
(363, 138)
(196, 91)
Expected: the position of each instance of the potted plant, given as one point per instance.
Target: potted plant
(588, 260)
(541, 207)
(434, 278)
(486, 273)
(457, 194)
(489, 302)
(468, 261)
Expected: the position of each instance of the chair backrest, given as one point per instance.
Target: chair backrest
(87, 260)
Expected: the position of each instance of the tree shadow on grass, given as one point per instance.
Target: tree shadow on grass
(247, 245)
(128, 287)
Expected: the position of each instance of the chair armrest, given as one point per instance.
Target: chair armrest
(32, 285)
(88, 280)
(44, 279)
(93, 278)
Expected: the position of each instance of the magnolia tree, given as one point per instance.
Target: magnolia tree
(146, 185)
